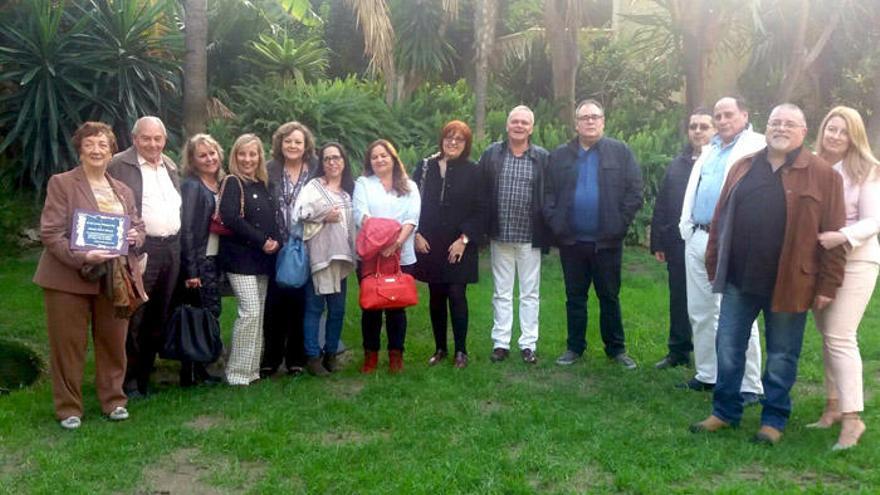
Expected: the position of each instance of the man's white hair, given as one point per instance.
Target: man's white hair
(522, 108)
(148, 118)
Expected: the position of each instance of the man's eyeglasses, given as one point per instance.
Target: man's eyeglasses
(788, 125)
(702, 127)
(332, 159)
(590, 117)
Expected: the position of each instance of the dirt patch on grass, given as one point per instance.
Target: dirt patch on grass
(205, 422)
(588, 479)
(349, 437)
(10, 464)
(804, 480)
(186, 471)
(489, 407)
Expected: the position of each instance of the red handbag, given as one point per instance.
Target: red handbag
(388, 291)
(216, 226)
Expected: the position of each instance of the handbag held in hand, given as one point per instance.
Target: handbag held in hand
(388, 291)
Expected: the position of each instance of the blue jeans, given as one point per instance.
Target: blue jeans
(784, 335)
(315, 304)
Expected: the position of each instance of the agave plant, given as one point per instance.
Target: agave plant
(135, 52)
(291, 60)
(43, 68)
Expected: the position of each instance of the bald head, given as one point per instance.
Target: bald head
(731, 118)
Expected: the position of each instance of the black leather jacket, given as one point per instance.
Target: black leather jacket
(195, 220)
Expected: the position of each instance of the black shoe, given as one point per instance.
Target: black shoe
(529, 357)
(696, 385)
(750, 398)
(498, 354)
(624, 360)
(670, 361)
(267, 372)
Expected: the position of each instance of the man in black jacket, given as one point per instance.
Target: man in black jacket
(514, 172)
(666, 242)
(154, 179)
(592, 193)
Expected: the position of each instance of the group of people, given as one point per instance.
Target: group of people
(746, 224)
(751, 224)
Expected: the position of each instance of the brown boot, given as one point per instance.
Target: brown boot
(711, 425)
(767, 435)
(395, 360)
(331, 363)
(371, 359)
(315, 367)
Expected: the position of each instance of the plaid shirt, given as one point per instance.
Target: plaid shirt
(515, 199)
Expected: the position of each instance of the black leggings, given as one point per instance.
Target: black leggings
(456, 295)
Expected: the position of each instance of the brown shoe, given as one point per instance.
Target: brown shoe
(710, 425)
(331, 362)
(499, 354)
(529, 357)
(767, 435)
(315, 367)
(437, 358)
(395, 360)
(461, 360)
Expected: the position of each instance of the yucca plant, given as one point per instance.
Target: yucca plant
(289, 59)
(44, 68)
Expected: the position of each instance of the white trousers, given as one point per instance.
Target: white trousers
(243, 366)
(703, 309)
(508, 260)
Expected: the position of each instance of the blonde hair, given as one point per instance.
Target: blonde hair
(859, 162)
(245, 139)
(188, 155)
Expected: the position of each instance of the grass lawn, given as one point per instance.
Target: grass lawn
(492, 428)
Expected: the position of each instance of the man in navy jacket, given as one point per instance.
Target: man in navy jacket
(592, 193)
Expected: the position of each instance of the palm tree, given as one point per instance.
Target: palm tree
(195, 67)
(485, 20)
(375, 22)
(563, 20)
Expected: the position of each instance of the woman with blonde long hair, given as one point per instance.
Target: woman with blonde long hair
(248, 255)
(842, 141)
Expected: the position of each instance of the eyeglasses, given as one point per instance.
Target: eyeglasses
(454, 140)
(788, 125)
(590, 117)
(331, 159)
(702, 127)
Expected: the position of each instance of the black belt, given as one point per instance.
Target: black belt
(162, 240)
(701, 226)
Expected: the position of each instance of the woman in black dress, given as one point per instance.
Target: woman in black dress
(451, 224)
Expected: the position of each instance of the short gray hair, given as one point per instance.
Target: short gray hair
(792, 108)
(148, 118)
(522, 108)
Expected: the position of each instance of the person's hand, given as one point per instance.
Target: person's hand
(97, 256)
(456, 250)
(422, 245)
(131, 236)
(192, 283)
(270, 246)
(392, 249)
(831, 239)
(660, 256)
(821, 302)
(333, 216)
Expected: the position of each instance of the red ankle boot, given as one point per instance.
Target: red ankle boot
(371, 359)
(395, 361)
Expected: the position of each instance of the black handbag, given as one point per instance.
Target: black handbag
(193, 334)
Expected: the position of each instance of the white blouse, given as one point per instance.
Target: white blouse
(371, 199)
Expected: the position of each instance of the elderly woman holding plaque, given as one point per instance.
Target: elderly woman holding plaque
(89, 276)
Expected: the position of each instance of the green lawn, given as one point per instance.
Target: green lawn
(492, 428)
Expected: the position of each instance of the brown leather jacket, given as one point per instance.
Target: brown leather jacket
(59, 265)
(814, 204)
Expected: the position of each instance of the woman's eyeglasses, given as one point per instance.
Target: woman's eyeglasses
(332, 159)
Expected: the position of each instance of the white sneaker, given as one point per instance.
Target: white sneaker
(118, 414)
(70, 423)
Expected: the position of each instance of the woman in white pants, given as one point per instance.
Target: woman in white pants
(843, 142)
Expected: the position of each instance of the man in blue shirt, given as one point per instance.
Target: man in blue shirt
(734, 140)
(592, 193)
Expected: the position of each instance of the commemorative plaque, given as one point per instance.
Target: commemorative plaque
(96, 230)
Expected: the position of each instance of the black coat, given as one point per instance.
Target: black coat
(242, 252)
(665, 235)
(195, 222)
(450, 207)
(491, 163)
(620, 191)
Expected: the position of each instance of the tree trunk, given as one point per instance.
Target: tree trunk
(485, 19)
(195, 67)
(801, 60)
(561, 25)
(696, 21)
